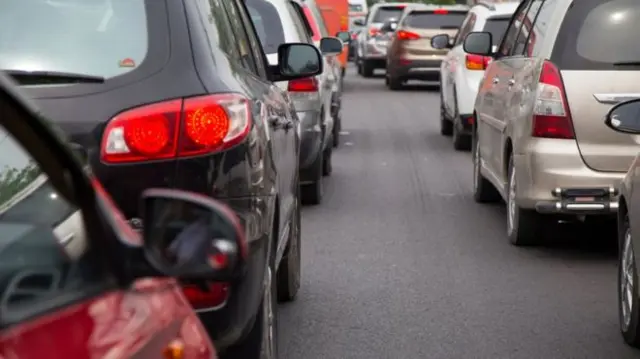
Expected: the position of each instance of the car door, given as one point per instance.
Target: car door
(453, 63)
(279, 109)
(496, 78)
(59, 297)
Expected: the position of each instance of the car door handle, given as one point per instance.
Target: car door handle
(496, 80)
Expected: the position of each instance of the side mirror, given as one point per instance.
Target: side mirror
(331, 45)
(624, 117)
(440, 42)
(478, 43)
(344, 36)
(358, 22)
(298, 60)
(192, 237)
(389, 26)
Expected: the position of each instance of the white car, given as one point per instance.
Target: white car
(461, 73)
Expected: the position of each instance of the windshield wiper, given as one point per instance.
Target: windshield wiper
(56, 77)
(627, 63)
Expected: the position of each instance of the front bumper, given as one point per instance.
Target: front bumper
(311, 138)
(552, 178)
(425, 70)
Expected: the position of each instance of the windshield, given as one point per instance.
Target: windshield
(268, 25)
(431, 20)
(103, 38)
(497, 28)
(385, 13)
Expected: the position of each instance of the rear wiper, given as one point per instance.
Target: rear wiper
(56, 77)
(627, 63)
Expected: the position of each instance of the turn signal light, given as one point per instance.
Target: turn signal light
(477, 62)
(407, 35)
(176, 128)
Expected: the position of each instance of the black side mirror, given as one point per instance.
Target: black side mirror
(192, 237)
(344, 36)
(358, 22)
(298, 60)
(440, 42)
(478, 43)
(331, 45)
(625, 117)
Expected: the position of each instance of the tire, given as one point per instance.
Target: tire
(483, 190)
(327, 164)
(337, 127)
(311, 194)
(288, 278)
(629, 317)
(367, 69)
(446, 126)
(524, 226)
(359, 66)
(262, 340)
(395, 84)
(461, 142)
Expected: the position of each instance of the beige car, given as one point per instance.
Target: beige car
(410, 55)
(539, 138)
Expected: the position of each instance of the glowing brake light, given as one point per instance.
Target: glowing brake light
(373, 31)
(305, 84)
(551, 115)
(407, 35)
(176, 128)
(440, 11)
(477, 62)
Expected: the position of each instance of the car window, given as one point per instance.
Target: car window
(72, 36)
(267, 23)
(465, 28)
(497, 26)
(511, 34)
(385, 13)
(240, 36)
(45, 258)
(525, 30)
(254, 42)
(317, 16)
(299, 23)
(434, 19)
(599, 35)
(218, 28)
(540, 27)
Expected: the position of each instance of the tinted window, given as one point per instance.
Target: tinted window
(511, 34)
(497, 27)
(355, 7)
(266, 21)
(431, 20)
(466, 27)
(385, 13)
(525, 30)
(240, 36)
(598, 34)
(540, 26)
(45, 258)
(94, 37)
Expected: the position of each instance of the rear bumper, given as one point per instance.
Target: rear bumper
(372, 50)
(426, 70)
(552, 178)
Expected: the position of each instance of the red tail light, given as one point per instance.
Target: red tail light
(213, 296)
(354, 36)
(477, 62)
(176, 128)
(441, 11)
(407, 35)
(373, 31)
(306, 84)
(551, 115)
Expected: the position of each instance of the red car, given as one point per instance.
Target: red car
(75, 280)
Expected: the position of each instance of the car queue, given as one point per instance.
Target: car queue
(543, 93)
(233, 100)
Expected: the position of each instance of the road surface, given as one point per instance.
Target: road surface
(399, 262)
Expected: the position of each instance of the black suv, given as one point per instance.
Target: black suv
(178, 94)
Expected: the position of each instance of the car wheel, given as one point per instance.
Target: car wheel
(446, 126)
(524, 226)
(461, 142)
(337, 127)
(312, 193)
(262, 341)
(395, 84)
(289, 269)
(483, 190)
(628, 287)
(367, 68)
(327, 165)
(359, 66)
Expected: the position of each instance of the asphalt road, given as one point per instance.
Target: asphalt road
(399, 262)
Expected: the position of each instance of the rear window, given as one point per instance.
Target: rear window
(435, 19)
(105, 38)
(355, 7)
(599, 35)
(497, 27)
(387, 12)
(268, 25)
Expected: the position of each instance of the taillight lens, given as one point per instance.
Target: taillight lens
(477, 62)
(373, 31)
(354, 36)
(176, 128)
(407, 35)
(213, 295)
(440, 11)
(305, 84)
(551, 115)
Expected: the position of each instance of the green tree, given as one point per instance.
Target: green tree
(13, 180)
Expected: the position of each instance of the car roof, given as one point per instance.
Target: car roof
(493, 9)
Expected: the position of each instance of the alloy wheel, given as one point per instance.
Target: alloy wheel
(511, 202)
(627, 289)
